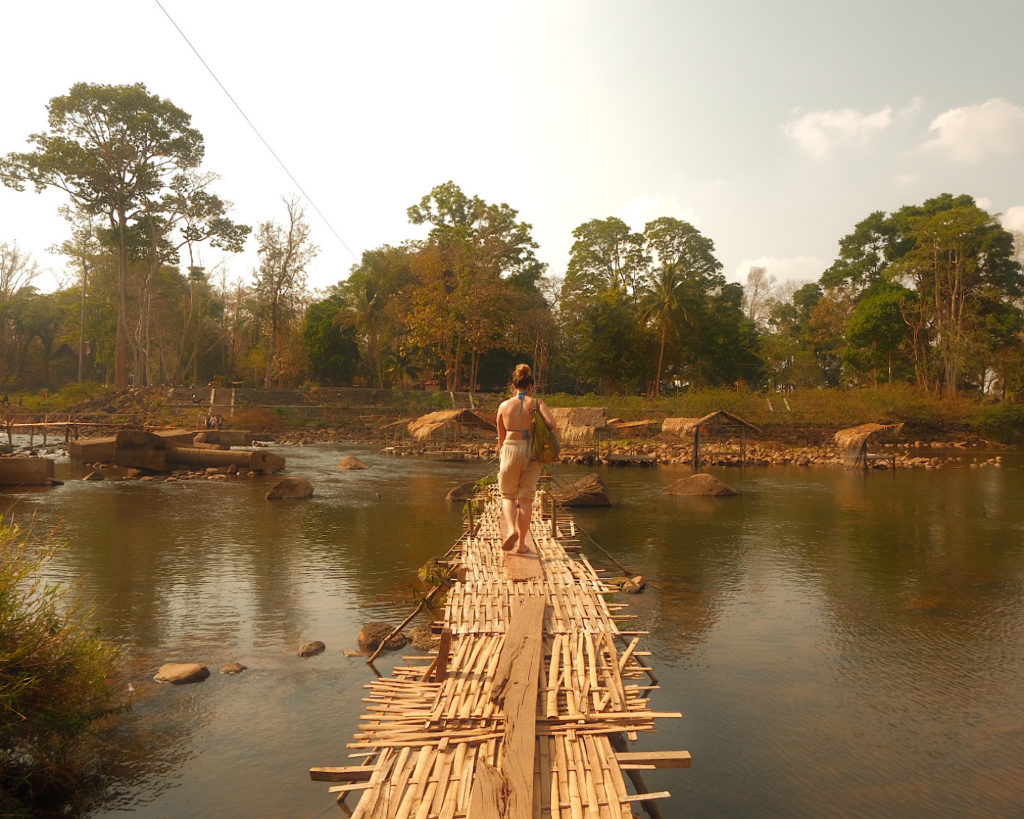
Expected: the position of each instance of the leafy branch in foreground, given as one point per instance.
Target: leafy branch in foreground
(53, 679)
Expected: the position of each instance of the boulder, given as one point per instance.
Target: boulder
(232, 668)
(373, 634)
(632, 584)
(423, 638)
(181, 673)
(288, 488)
(587, 491)
(462, 492)
(310, 649)
(351, 462)
(699, 485)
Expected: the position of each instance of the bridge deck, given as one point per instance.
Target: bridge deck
(525, 709)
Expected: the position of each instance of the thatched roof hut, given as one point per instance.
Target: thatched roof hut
(685, 427)
(425, 426)
(854, 442)
(631, 427)
(578, 424)
(694, 427)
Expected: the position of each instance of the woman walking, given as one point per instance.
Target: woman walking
(518, 471)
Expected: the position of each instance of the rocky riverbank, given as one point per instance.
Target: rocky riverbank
(806, 448)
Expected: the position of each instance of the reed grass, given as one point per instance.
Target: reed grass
(54, 681)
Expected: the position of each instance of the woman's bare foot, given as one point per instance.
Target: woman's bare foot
(509, 542)
(523, 550)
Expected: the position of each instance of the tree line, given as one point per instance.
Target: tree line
(930, 294)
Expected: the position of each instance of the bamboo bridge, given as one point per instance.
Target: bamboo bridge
(526, 708)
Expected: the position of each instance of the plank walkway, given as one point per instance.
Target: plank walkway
(525, 709)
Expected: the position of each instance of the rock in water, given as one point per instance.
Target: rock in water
(352, 462)
(462, 492)
(309, 649)
(700, 485)
(181, 673)
(373, 634)
(232, 668)
(423, 638)
(288, 488)
(587, 491)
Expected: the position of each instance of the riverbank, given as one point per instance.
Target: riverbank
(793, 428)
(967, 452)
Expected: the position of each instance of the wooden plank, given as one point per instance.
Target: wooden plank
(515, 686)
(485, 797)
(657, 759)
(523, 566)
(348, 773)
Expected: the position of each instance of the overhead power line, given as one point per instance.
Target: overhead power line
(256, 131)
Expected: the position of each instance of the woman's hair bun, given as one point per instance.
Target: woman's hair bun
(523, 376)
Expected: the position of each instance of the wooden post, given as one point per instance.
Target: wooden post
(554, 522)
(696, 447)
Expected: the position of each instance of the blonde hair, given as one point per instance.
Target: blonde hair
(522, 377)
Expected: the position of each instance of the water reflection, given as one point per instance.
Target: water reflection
(842, 644)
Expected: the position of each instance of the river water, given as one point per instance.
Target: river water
(840, 644)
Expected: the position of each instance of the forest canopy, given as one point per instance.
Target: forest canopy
(928, 295)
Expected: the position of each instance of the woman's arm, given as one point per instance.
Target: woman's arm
(501, 429)
(548, 417)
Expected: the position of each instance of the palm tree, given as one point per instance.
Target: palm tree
(666, 303)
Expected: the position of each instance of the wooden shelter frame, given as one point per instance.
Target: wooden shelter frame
(684, 427)
(854, 443)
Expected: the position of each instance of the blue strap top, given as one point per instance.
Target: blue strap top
(522, 403)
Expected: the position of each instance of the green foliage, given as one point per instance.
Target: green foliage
(1003, 423)
(332, 350)
(53, 677)
(75, 394)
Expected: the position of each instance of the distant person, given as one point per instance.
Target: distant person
(518, 472)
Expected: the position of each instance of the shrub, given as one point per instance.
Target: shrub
(53, 680)
(1003, 423)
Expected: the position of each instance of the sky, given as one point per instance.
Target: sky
(772, 127)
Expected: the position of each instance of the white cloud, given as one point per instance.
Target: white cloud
(911, 109)
(967, 134)
(983, 202)
(796, 268)
(819, 132)
(644, 209)
(1013, 219)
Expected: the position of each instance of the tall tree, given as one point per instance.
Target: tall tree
(373, 303)
(878, 330)
(333, 353)
(757, 295)
(187, 215)
(17, 270)
(606, 255)
(959, 260)
(477, 256)
(669, 304)
(111, 148)
(83, 249)
(697, 277)
(285, 253)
